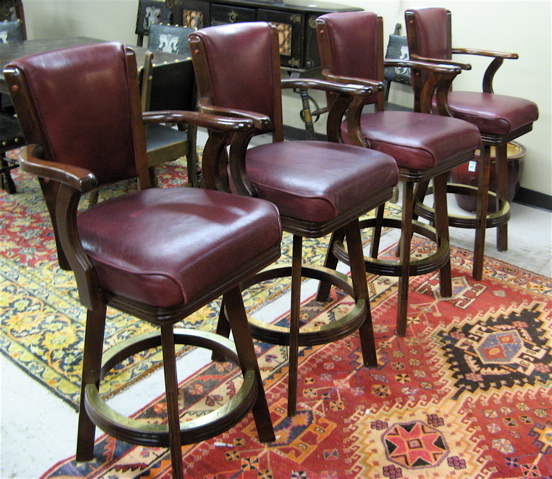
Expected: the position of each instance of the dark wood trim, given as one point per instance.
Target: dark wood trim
(294, 133)
(533, 198)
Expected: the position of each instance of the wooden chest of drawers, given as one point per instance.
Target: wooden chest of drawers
(295, 20)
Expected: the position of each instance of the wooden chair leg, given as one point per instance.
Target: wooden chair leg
(295, 314)
(171, 391)
(248, 360)
(442, 227)
(360, 286)
(223, 328)
(7, 181)
(91, 366)
(331, 263)
(502, 193)
(376, 232)
(404, 254)
(482, 208)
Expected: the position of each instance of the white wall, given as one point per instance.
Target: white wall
(503, 25)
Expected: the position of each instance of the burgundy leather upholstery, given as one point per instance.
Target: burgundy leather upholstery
(254, 90)
(362, 61)
(493, 114)
(158, 254)
(302, 179)
(203, 237)
(308, 180)
(417, 141)
(433, 37)
(99, 85)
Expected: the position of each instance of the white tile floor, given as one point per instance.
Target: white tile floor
(38, 429)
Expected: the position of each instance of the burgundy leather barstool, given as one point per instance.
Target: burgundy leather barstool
(158, 254)
(319, 187)
(499, 118)
(425, 147)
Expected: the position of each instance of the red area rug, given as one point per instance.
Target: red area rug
(466, 394)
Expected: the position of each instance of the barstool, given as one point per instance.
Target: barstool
(426, 147)
(319, 187)
(499, 118)
(158, 254)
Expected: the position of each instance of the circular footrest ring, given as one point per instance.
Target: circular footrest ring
(394, 268)
(495, 219)
(144, 433)
(310, 335)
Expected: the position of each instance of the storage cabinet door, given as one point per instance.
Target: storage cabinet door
(290, 27)
(191, 13)
(223, 14)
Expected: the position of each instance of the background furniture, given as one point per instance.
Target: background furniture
(12, 30)
(150, 12)
(397, 49)
(172, 86)
(151, 253)
(295, 21)
(426, 147)
(11, 137)
(500, 119)
(169, 38)
(318, 187)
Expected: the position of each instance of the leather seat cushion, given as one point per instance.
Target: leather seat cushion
(417, 141)
(164, 247)
(317, 181)
(491, 113)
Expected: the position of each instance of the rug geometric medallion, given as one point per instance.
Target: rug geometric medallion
(467, 393)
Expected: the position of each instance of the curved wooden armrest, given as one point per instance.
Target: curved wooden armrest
(498, 59)
(376, 86)
(434, 66)
(260, 122)
(200, 119)
(328, 86)
(485, 53)
(80, 179)
(463, 66)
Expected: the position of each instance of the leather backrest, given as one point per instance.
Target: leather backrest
(237, 66)
(432, 35)
(81, 105)
(351, 44)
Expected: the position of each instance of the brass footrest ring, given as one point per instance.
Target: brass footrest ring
(144, 433)
(495, 219)
(310, 335)
(394, 268)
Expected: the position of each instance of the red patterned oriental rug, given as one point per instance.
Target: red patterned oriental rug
(466, 394)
